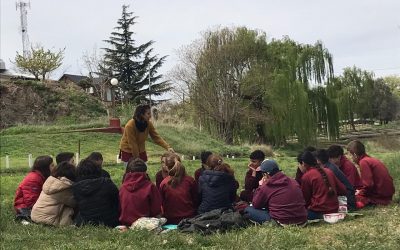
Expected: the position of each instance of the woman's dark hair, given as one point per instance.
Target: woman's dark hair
(335, 151)
(64, 156)
(140, 111)
(87, 169)
(175, 169)
(65, 169)
(204, 156)
(136, 165)
(95, 156)
(42, 164)
(308, 158)
(356, 147)
(322, 155)
(257, 155)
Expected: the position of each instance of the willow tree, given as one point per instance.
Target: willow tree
(297, 68)
(246, 89)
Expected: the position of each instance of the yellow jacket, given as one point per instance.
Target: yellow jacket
(133, 141)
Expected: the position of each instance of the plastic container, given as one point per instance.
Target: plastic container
(334, 217)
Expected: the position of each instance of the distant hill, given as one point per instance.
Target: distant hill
(30, 102)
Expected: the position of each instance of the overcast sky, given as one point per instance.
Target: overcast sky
(365, 33)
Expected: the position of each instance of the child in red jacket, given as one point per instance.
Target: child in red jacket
(163, 172)
(203, 157)
(378, 187)
(29, 189)
(178, 192)
(320, 187)
(251, 181)
(138, 196)
(337, 157)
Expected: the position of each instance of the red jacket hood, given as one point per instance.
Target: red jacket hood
(135, 181)
(278, 179)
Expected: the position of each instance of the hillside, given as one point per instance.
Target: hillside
(30, 102)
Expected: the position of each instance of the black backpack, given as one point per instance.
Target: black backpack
(217, 220)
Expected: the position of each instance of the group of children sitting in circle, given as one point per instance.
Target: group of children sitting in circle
(64, 194)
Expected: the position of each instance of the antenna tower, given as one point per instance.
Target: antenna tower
(23, 6)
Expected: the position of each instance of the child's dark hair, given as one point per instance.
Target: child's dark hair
(140, 111)
(65, 169)
(87, 169)
(204, 156)
(335, 151)
(175, 169)
(356, 147)
(95, 156)
(310, 149)
(322, 155)
(136, 165)
(257, 155)
(308, 158)
(64, 156)
(42, 164)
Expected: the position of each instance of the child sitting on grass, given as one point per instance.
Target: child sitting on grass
(163, 172)
(217, 185)
(378, 187)
(138, 195)
(320, 187)
(178, 192)
(322, 157)
(56, 203)
(279, 198)
(251, 181)
(97, 158)
(337, 157)
(96, 196)
(30, 188)
(203, 157)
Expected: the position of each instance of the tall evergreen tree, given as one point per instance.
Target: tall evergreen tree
(133, 65)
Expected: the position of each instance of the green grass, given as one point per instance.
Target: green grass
(378, 228)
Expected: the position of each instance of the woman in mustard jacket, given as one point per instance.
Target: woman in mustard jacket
(136, 131)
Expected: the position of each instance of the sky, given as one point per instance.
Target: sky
(364, 33)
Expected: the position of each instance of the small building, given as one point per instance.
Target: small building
(97, 86)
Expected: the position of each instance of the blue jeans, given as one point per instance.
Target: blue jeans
(312, 215)
(257, 215)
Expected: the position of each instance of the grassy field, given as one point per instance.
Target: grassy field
(377, 228)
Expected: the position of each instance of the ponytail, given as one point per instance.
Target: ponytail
(175, 169)
(331, 190)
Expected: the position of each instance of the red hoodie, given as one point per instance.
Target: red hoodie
(315, 191)
(350, 171)
(181, 201)
(28, 190)
(139, 197)
(378, 185)
(283, 198)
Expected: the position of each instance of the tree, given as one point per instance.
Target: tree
(40, 61)
(245, 89)
(133, 65)
(385, 103)
(355, 92)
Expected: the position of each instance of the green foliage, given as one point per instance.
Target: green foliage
(40, 61)
(246, 89)
(131, 63)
